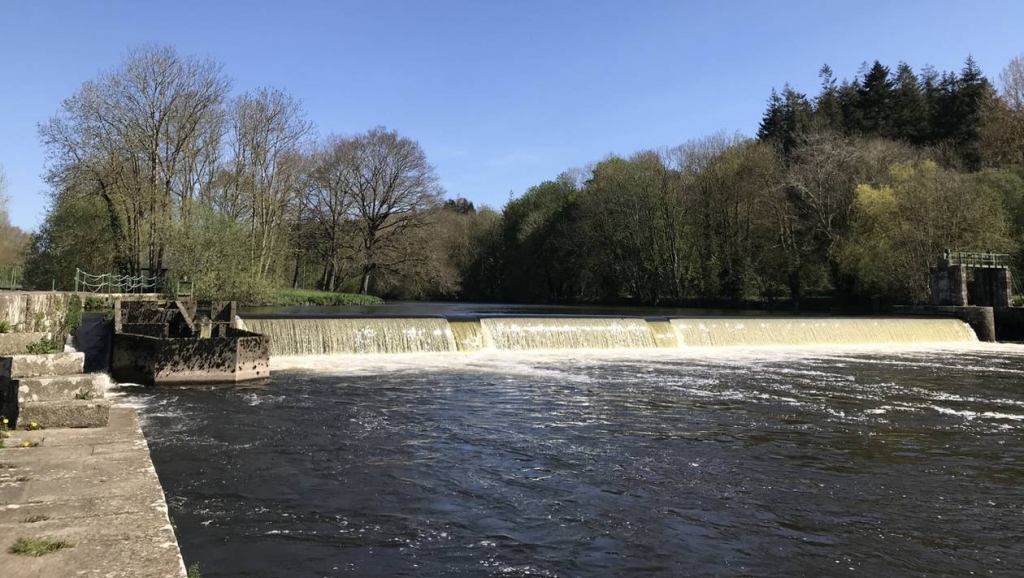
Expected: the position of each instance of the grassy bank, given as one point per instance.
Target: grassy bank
(288, 297)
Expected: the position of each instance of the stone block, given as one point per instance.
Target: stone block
(68, 413)
(57, 388)
(19, 366)
(33, 310)
(17, 343)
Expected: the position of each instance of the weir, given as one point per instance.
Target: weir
(382, 335)
(356, 335)
(827, 331)
(530, 333)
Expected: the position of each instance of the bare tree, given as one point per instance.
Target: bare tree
(1011, 81)
(269, 130)
(393, 188)
(133, 137)
(329, 205)
(1001, 141)
(13, 240)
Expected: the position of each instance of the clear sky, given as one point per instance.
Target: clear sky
(502, 94)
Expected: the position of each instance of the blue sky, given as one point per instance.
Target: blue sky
(502, 94)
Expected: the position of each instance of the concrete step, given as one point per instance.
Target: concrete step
(58, 388)
(17, 343)
(20, 366)
(68, 413)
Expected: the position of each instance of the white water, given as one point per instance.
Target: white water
(359, 335)
(819, 331)
(432, 335)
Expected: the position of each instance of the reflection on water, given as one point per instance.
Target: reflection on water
(768, 463)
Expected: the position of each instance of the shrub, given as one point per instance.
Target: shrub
(295, 297)
(96, 303)
(5, 327)
(72, 319)
(43, 347)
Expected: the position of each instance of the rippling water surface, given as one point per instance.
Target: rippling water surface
(812, 463)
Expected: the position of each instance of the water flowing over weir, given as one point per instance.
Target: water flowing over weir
(528, 333)
(296, 336)
(826, 331)
(356, 335)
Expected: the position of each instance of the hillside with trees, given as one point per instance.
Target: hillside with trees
(849, 194)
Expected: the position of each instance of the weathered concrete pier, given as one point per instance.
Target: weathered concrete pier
(164, 343)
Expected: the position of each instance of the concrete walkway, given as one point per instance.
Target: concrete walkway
(95, 488)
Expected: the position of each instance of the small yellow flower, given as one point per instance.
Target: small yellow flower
(5, 421)
(26, 444)
(33, 425)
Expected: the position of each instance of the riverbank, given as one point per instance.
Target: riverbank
(95, 492)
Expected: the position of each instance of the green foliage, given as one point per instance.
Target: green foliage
(42, 347)
(75, 234)
(296, 297)
(214, 252)
(5, 326)
(918, 212)
(95, 303)
(72, 316)
(38, 546)
(193, 571)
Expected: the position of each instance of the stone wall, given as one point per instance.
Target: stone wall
(16, 343)
(29, 311)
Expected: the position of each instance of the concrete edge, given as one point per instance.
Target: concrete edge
(163, 496)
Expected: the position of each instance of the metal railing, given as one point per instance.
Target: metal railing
(114, 283)
(976, 260)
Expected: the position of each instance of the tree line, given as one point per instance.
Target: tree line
(848, 194)
(155, 166)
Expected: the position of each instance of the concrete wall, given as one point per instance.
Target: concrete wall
(1010, 323)
(142, 359)
(33, 311)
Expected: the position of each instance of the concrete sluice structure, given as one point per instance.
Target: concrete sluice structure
(177, 342)
(296, 336)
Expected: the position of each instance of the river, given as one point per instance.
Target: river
(738, 462)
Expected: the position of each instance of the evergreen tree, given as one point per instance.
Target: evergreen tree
(931, 95)
(849, 101)
(828, 108)
(973, 90)
(875, 101)
(909, 115)
(772, 122)
(789, 115)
